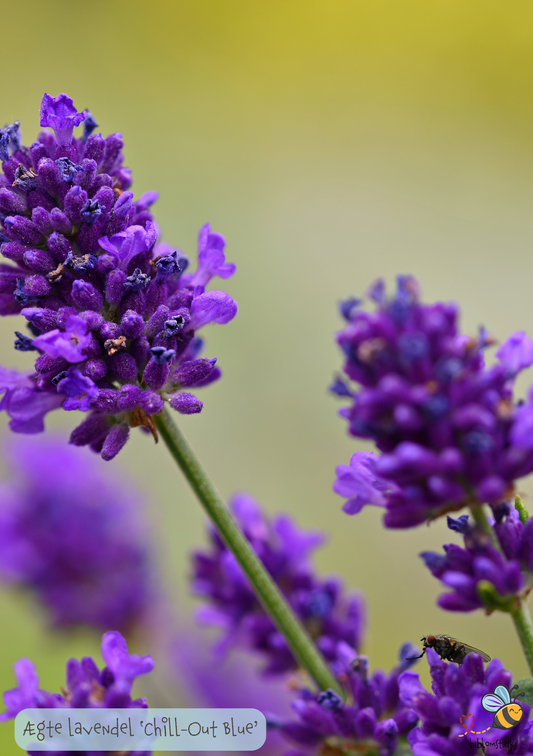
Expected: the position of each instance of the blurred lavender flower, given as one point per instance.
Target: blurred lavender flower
(97, 292)
(447, 715)
(71, 534)
(232, 681)
(373, 718)
(479, 574)
(446, 425)
(326, 612)
(86, 686)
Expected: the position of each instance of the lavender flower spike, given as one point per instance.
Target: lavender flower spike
(86, 686)
(97, 290)
(328, 615)
(92, 566)
(372, 721)
(447, 427)
(480, 575)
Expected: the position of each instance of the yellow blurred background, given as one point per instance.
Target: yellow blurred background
(331, 143)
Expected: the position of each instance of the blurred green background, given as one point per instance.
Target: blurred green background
(331, 143)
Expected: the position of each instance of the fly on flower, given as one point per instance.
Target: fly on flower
(449, 649)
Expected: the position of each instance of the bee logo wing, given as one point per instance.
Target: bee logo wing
(492, 702)
(503, 693)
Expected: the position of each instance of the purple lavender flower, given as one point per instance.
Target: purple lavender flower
(97, 291)
(326, 612)
(25, 405)
(480, 575)
(446, 724)
(71, 534)
(60, 115)
(371, 721)
(445, 424)
(86, 685)
(78, 388)
(360, 482)
(69, 344)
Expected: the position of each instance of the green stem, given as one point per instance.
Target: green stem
(272, 600)
(524, 628)
(480, 518)
(520, 614)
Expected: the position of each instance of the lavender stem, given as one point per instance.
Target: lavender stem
(524, 628)
(267, 592)
(480, 518)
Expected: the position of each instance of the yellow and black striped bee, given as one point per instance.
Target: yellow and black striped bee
(449, 649)
(507, 712)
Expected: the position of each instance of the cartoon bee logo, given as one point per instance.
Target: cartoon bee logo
(507, 712)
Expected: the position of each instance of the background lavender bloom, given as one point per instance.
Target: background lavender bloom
(373, 720)
(480, 575)
(444, 422)
(86, 685)
(328, 614)
(457, 692)
(72, 535)
(232, 681)
(96, 290)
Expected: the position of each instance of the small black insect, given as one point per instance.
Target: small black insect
(449, 649)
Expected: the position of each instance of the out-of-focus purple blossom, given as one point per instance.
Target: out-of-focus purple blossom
(479, 574)
(232, 681)
(86, 685)
(516, 353)
(522, 430)
(446, 425)
(372, 720)
(446, 715)
(73, 536)
(360, 482)
(97, 291)
(25, 405)
(328, 614)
